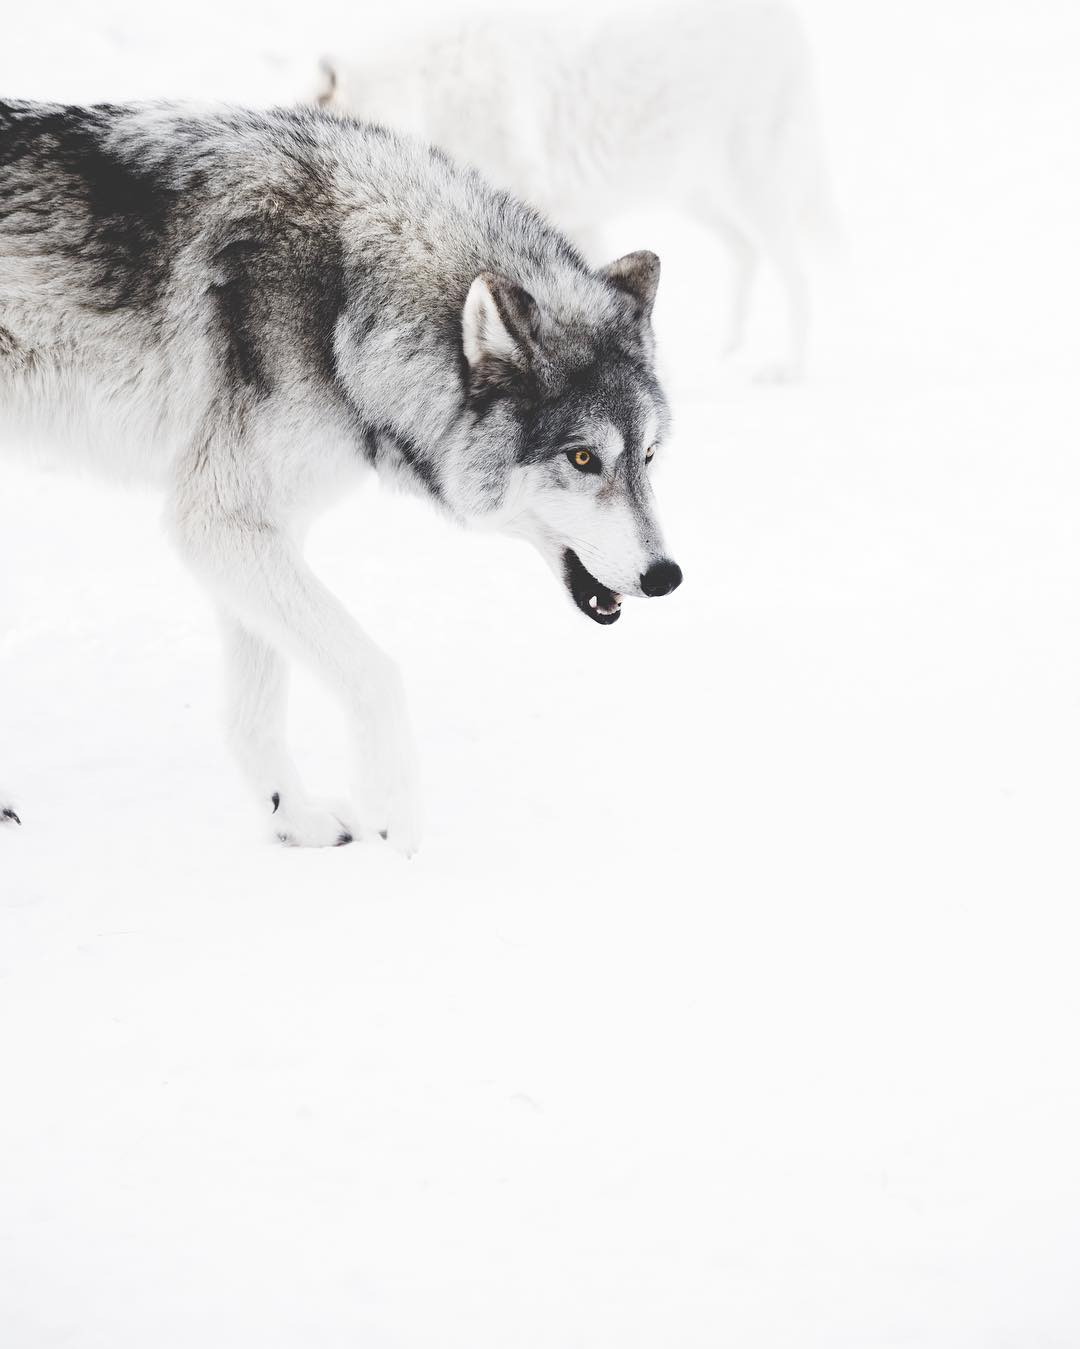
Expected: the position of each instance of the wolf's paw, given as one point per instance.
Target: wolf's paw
(309, 824)
(396, 819)
(403, 823)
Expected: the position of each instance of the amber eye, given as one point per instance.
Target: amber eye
(584, 460)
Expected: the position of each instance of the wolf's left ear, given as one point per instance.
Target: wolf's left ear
(500, 324)
(637, 275)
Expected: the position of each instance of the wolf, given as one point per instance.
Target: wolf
(709, 110)
(254, 310)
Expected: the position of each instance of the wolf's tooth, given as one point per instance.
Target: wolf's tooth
(592, 602)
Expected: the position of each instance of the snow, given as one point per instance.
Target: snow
(732, 998)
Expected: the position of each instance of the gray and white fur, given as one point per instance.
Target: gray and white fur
(254, 309)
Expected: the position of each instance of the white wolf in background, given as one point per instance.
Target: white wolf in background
(711, 111)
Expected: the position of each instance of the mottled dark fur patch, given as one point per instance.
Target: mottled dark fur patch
(273, 274)
(56, 164)
(236, 267)
(383, 447)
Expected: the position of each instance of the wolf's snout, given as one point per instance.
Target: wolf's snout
(661, 578)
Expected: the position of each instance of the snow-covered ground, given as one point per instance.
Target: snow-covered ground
(732, 999)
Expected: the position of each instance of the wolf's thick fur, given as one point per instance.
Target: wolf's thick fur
(711, 110)
(253, 308)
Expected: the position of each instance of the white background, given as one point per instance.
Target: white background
(732, 1000)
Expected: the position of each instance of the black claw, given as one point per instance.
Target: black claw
(284, 838)
(9, 814)
(343, 839)
(277, 802)
(384, 833)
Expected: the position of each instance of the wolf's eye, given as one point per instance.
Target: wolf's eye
(649, 453)
(584, 460)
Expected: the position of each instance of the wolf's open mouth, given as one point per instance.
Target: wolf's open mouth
(593, 598)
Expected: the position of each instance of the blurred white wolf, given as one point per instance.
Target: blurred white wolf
(711, 111)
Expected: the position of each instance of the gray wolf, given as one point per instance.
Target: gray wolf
(709, 110)
(253, 310)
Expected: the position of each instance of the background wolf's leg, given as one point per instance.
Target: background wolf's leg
(744, 265)
(758, 225)
(259, 575)
(781, 246)
(773, 230)
(256, 694)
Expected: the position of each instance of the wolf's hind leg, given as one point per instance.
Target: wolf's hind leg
(256, 688)
(781, 246)
(744, 266)
(758, 226)
(259, 574)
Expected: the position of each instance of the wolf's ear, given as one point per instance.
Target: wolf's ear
(637, 275)
(500, 323)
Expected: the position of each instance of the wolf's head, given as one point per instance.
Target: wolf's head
(575, 393)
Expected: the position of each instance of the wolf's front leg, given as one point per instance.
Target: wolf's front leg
(258, 574)
(256, 679)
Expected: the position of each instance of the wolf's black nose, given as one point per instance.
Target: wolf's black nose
(661, 578)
